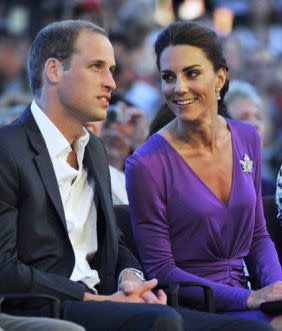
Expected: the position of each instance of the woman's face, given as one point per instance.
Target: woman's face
(188, 81)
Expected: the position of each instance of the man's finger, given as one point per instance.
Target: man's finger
(137, 288)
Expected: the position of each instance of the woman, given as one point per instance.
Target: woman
(195, 189)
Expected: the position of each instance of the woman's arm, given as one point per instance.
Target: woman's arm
(147, 198)
(262, 260)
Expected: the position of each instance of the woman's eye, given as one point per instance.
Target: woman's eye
(167, 78)
(192, 73)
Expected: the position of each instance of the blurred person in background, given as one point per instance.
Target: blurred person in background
(126, 49)
(118, 149)
(263, 28)
(278, 195)
(136, 25)
(122, 132)
(244, 104)
(14, 91)
(264, 71)
(235, 56)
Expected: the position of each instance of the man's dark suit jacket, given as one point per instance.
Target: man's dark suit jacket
(36, 254)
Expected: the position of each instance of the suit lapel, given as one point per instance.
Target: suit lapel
(43, 162)
(98, 168)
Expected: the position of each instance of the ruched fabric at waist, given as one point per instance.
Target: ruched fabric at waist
(228, 271)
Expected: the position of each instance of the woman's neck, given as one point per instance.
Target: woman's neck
(200, 135)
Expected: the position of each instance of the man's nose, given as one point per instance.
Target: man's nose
(109, 81)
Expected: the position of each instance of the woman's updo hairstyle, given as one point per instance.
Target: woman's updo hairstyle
(193, 34)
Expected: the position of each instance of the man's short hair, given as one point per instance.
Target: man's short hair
(55, 40)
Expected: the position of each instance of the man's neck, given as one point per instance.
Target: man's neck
(70, 128)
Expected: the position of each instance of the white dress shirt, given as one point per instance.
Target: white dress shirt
(77, 194)
(119, 195)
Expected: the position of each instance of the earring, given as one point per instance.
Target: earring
(217, 93)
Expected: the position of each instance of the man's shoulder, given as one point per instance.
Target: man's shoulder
(13, 135)
(10, 132)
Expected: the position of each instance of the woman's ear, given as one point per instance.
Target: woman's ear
(221, 77)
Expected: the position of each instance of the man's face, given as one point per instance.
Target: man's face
(85, 87)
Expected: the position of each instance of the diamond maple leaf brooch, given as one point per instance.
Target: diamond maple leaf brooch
(247, 164)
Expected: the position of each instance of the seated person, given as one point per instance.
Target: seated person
(202, 213)
(118, 149)
(58, 231)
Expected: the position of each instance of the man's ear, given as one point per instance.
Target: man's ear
(53, 70)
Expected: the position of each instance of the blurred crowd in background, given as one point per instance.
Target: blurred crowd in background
(251, 31)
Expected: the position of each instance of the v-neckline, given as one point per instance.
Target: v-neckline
(226, 205)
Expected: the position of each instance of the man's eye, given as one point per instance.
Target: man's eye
(96, 66)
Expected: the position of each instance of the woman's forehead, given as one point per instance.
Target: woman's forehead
(183, 55)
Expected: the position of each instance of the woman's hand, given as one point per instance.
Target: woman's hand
(271, 292)
(142, 290)
(132, 291)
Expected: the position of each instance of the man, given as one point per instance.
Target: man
(58, 233)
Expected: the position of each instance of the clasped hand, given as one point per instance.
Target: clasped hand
(140, 292)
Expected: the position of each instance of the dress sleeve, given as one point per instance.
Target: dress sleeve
(145, 182)
(262, 260)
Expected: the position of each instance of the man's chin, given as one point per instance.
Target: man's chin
(97, 116)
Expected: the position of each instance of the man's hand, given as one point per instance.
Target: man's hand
(132, 291)
(143, 291)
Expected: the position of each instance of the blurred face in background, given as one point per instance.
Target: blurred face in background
(260, 69)
(246, 110)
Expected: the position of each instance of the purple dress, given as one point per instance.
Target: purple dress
(184, 232)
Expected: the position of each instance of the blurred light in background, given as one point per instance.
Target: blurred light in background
(191, 9)
(163, 12)
(223, 20)
(17, 19)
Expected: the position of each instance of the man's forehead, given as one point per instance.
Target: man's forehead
(94, 45)
(92, 39)
(88, 35)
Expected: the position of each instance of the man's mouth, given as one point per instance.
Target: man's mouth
(104, 98)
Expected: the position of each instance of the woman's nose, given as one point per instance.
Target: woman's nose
(181, 86)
